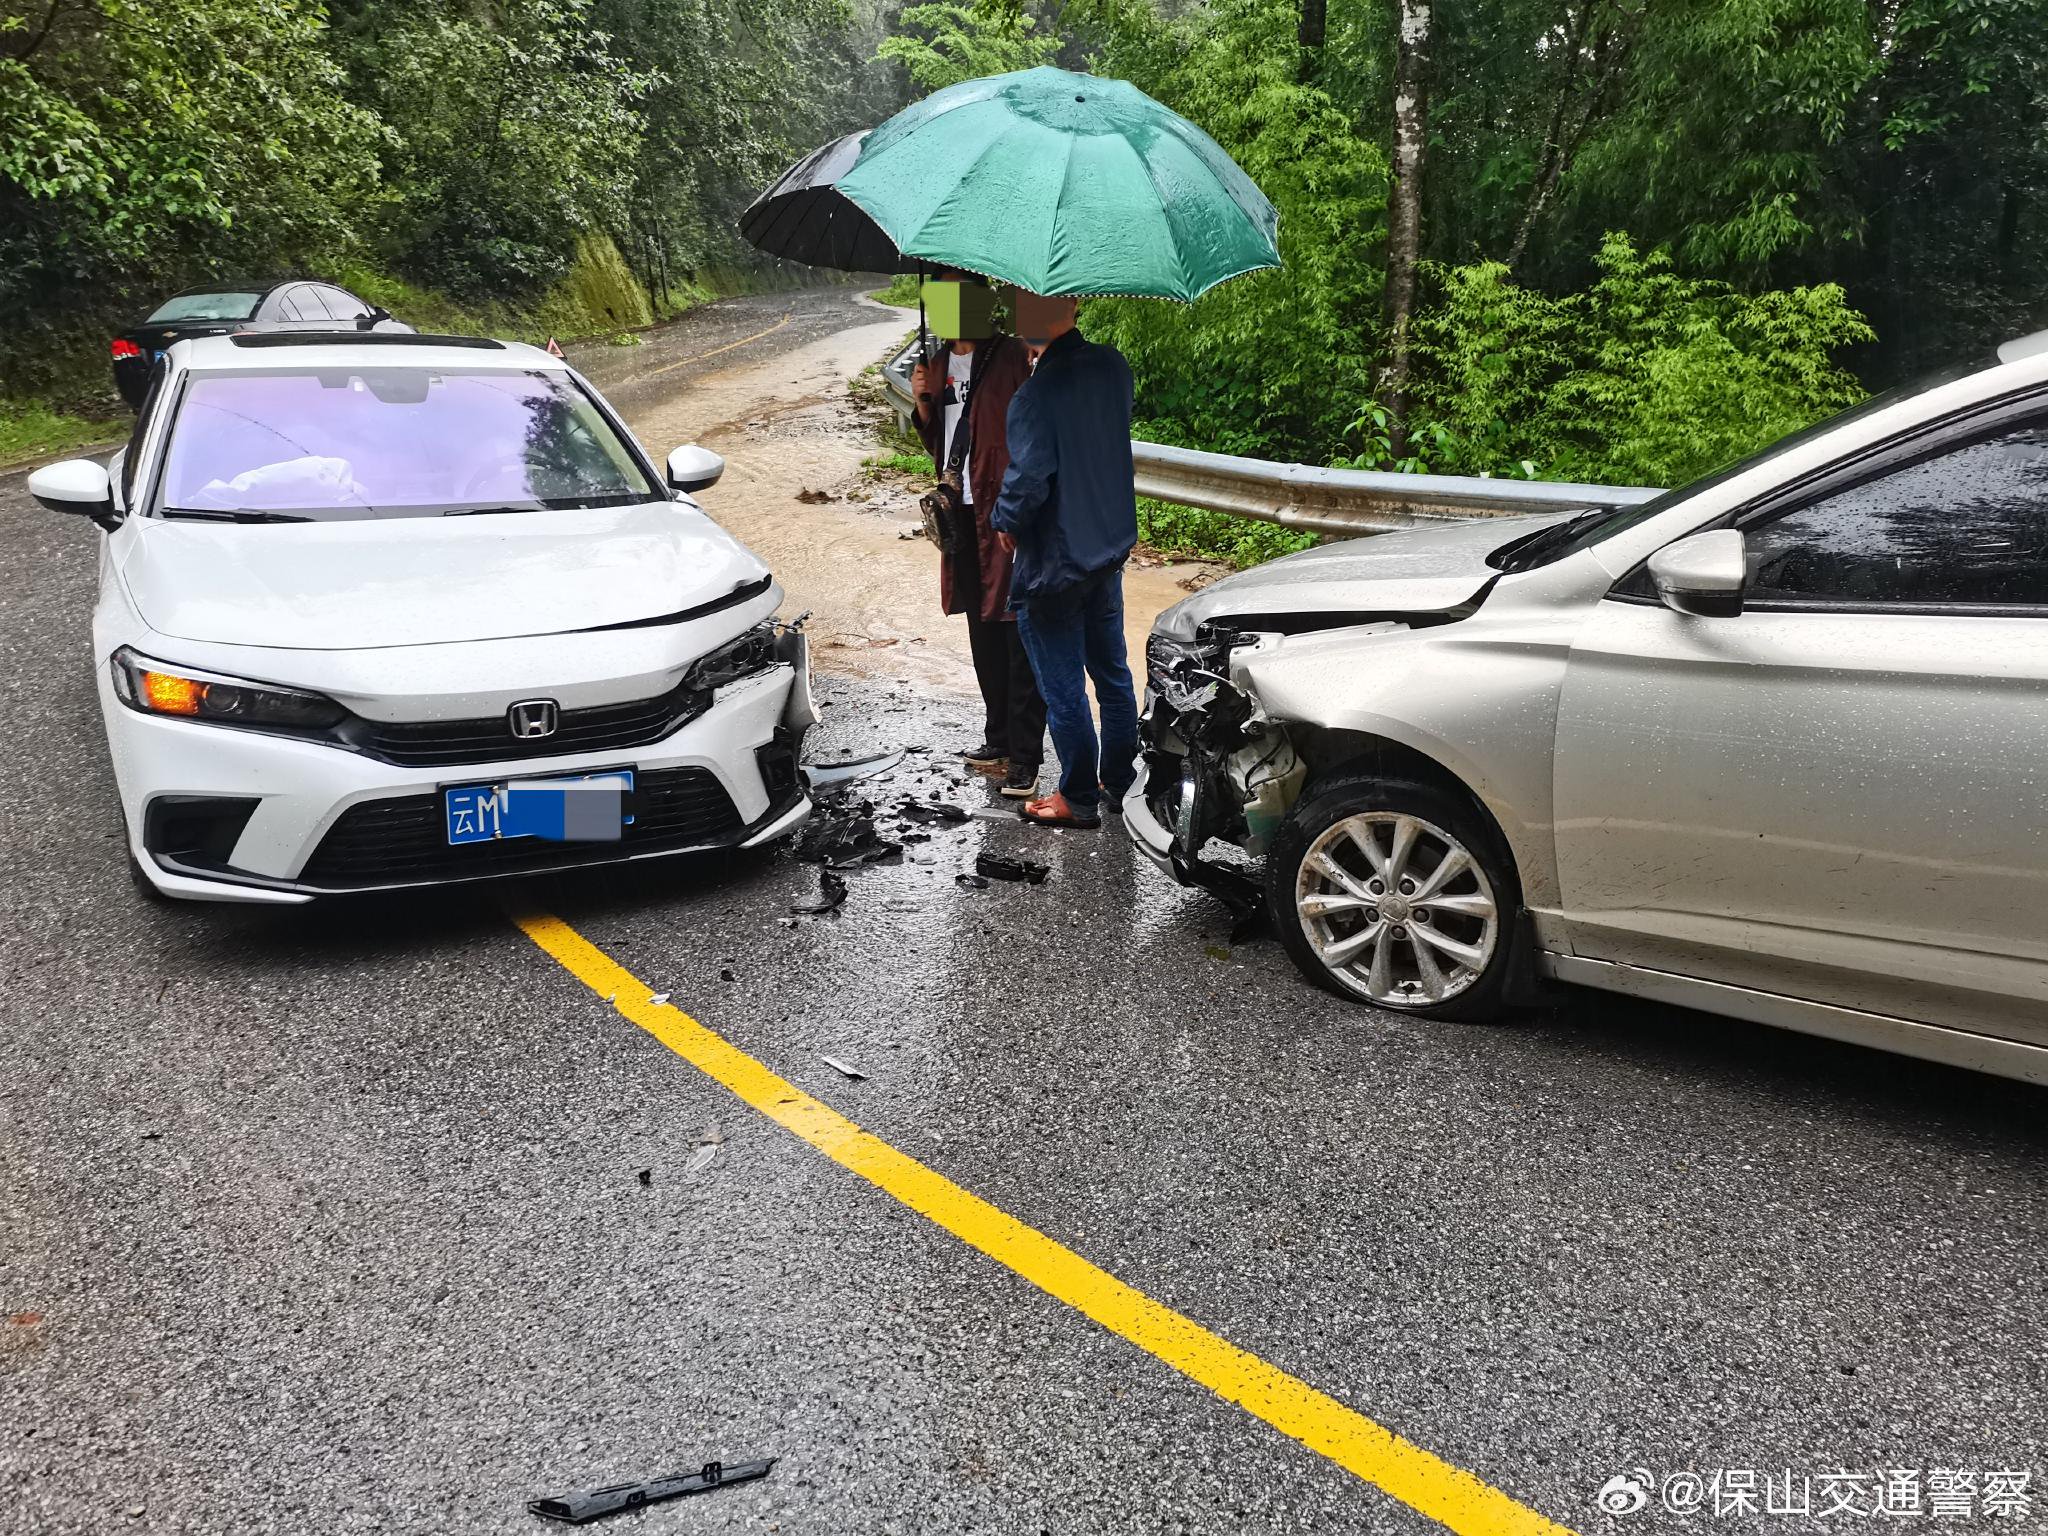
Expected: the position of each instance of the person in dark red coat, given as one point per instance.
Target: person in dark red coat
(984, 373)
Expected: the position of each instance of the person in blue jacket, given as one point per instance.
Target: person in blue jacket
(1069, 508)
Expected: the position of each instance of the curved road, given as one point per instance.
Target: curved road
(379, 1218)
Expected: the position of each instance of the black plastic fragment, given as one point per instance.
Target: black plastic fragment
(589, 1504)
(831, 892)
(829, 778)
(996, 867)
(931, 810)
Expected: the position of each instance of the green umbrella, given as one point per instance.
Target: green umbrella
(1063, 184)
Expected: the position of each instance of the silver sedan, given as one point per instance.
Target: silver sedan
(1773, 745)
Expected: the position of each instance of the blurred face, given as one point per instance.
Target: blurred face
(1041, 320)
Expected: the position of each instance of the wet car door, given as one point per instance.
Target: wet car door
(1840, 794)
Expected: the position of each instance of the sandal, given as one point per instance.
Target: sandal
(1053, 811)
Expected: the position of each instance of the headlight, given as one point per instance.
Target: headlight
(752, 652)
(153, 688)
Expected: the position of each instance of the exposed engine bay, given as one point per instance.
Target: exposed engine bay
(1217, 765)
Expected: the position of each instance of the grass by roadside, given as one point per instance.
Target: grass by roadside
(1189, 533)
(902, 291)
(31, 430)
(900, 462)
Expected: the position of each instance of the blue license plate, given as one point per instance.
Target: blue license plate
(582, 808)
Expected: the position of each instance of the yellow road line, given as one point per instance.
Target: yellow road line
(719, 351)
(1426, 1483)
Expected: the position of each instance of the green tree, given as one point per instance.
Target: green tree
(1274, 362)
(511, 136)
(947, 41)
(144, 143)
(1645, 378)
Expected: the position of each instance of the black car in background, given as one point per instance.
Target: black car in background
(295, 305)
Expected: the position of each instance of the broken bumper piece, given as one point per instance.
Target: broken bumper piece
(595, 1503)
(1161, 844)
(1152, 837)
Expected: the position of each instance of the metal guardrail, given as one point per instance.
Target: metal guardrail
(1341, 502)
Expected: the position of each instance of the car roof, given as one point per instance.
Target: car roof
(357, 349)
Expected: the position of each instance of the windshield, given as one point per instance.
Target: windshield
(330, 444)
(1589, 528)
(206, 306)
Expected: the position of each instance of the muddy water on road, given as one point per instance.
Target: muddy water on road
(784, 419)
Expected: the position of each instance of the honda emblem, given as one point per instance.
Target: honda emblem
(531, 719)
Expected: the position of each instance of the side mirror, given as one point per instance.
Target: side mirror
(78, 486)
(1702, 574)
(692, 469)
(377, 316)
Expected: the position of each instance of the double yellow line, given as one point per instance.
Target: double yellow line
(1424, 1482)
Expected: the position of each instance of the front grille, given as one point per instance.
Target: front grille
(404, 840)
(600, 728)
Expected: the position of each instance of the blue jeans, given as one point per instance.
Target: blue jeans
(1072, 636)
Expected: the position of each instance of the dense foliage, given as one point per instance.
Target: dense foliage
(472, 146)
(1655, 232)
(1643, 378)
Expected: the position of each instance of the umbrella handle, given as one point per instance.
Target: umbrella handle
(924, 345)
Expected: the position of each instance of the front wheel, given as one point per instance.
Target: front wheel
(1396, 894)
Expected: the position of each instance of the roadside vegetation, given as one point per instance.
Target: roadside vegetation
(1598, 240)
(527, 167)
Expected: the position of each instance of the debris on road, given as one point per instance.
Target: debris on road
(844, 1069)
(827, 777)
(646, 1177)
(702, 1158)
(842, 836)
(996, 867)
(930, 811)
(972, 882)
(594, 1503)
(815, 498)
(831, 893)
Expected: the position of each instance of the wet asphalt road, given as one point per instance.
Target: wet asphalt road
(331, 1221)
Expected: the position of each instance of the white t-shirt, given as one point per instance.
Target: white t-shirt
(959, 369)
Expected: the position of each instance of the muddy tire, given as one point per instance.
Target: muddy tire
(1397, 895)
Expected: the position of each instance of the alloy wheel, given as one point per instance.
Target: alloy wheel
(1397, 909)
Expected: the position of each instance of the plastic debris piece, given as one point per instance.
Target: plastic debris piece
(702, 1158)
(645, 1176)
(842, 839)
(826, 777)
(843, 1069)
(929, 811)
(831, 892)
(594, 1503)
(657, 1000)
(611, 997)
(726, 974)
(972, 882)
(996, 867)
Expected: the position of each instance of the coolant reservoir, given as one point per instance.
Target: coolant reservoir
(1268, 774)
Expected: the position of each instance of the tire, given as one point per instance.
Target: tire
(1462, 965)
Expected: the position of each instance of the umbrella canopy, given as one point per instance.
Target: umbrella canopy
(1063, 184)
(803, 217)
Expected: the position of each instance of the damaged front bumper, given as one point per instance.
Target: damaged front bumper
(1213, 765)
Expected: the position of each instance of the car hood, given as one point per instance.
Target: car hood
(429, 581)
(1423, 570)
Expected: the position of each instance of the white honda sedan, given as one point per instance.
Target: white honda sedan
(386, 611)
